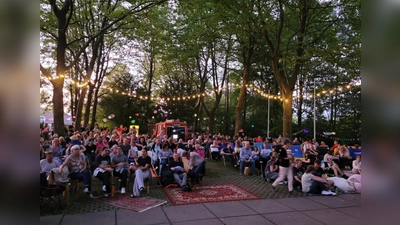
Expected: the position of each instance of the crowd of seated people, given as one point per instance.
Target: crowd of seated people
(104, 153)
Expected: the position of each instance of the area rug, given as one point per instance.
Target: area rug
(135, 204)
(212, 193)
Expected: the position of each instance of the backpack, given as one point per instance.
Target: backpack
(167, 177)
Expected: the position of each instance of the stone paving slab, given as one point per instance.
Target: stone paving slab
(332, 216)
(227, 209)
(53, 220)
(187, 212)
(301, 204)
(97, 218)
(200, 222)
(267, 206)
(151, 216)
(333, 201)
(352, 211)
(253, 219)
(291, 218)
(351, 197)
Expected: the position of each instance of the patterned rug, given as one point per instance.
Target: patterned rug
(212, 193)
(135, 204)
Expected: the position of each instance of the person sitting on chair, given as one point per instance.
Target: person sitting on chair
(180, 175)
(196, 165)
(76, 163)
(331, 168)
(120, 164)
(199, 150)
(104, 170)
(214, 149)
(164, 155)
(246, 157)
(229, 155)
(47, 164)
(142, 165)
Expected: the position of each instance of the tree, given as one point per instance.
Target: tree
(58, 20)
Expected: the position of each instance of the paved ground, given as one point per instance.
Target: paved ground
(342, 209)
(278, 207)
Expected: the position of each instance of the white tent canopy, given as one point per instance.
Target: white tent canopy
(49, 118)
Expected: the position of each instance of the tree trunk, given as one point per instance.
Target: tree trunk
(287, 113)
(331, 114)
(242, 95)
(58, 107)
(71, 93)
(211, 123)
(240, 104)
(94, 111)
(88, 105)
(227, 117)
(300, 106)
(79, 107)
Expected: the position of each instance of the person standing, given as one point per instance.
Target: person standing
(285, 170)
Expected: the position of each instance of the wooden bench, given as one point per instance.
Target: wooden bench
(154, 176)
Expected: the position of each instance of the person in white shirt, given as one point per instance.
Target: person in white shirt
(357, 165)
(47, 164)
(214, 149)
(313, 184)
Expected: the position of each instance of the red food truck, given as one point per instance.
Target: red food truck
(172, 128)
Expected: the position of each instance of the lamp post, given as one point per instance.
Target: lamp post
(315, 126)
(268, 114)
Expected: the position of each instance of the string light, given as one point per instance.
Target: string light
(211, 92)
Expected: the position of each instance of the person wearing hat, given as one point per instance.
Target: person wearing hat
(285, 170)
(47, 164)
(75, 140)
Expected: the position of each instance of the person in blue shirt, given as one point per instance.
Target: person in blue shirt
(246, 156)
(229, 155)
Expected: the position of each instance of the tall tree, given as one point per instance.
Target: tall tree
(56, 20)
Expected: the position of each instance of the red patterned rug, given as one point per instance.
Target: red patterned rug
(204, 194)
(135, 204)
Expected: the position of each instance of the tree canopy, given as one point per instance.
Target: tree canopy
(210, 63)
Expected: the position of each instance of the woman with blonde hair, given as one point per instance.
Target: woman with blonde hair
(57, 150)
(344, 158)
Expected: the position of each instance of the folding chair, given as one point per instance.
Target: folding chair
(50, 194)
